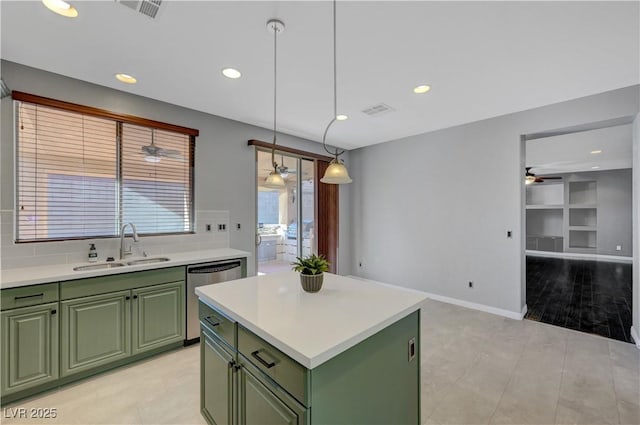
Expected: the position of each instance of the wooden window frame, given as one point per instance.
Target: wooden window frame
(119, 119)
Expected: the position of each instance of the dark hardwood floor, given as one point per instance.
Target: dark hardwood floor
(588, 296)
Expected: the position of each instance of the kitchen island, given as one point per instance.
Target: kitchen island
(272, 353)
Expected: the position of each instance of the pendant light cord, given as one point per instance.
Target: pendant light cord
(337, 153)
(275, 94)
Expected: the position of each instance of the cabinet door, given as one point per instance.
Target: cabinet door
(217, 386)
(158, 316)
(258, 405)
(95, 331)
(29, 347)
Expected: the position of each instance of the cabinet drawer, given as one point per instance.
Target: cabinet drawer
(119, 282)
(285, 371)
(29, 295)
(223, 327)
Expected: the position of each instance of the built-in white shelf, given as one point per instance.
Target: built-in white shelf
(582, 206)
(545, 207)
(583, 217)
(584, 239)
(583, 192)
(583, 228)
(545, 194)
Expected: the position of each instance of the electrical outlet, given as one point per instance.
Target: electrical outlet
(509, 234)
(222, 227)
(618, 247)
(470, 284)
(208, 227)
(237, 226)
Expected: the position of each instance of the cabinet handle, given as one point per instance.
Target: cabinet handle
(53, 311)
(412, 349)
(232, 363)
(265, 363)
(135, 297)
(28, 296)
(208, 320)
(127, 297)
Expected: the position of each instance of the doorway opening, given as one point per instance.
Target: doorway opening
(578, 228)
(285, 216)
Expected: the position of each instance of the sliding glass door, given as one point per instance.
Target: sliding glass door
(285, 216)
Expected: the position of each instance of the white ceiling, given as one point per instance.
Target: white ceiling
(571, 153)
(483, 59)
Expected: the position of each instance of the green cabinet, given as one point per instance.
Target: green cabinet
(101, 329)
(259, 404)
(218, 381)
(96, 331)
(158, 316)
(56, 333)
(233, 390)
(377, 381)
(29, 347)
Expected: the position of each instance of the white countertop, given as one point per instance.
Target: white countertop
(311, 328)
(11, 278)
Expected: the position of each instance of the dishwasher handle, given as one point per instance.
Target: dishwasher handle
(213, 268)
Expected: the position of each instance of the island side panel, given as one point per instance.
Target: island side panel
(373, 382)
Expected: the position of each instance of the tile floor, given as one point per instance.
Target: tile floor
(477, 368)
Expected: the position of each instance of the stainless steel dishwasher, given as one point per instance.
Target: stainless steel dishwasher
(206, 274)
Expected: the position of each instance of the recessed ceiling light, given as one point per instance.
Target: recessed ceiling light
(341, 117)
(596, 151)
(61, 7)
(595, 167)
(422, 89)
(231, 73)
(125, 78)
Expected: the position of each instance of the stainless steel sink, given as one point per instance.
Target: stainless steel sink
(148, 261)
(100, 266)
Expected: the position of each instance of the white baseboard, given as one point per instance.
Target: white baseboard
(580, 256)
(635, 336)
(481, 307)
(461, 303)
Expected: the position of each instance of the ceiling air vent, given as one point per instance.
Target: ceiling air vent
(377, 110)
(148, 8)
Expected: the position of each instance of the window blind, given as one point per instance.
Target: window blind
(156, 190)
(66, 174)
(82, 176)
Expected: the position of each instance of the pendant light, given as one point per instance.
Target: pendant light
(336, 173)
(274, 180)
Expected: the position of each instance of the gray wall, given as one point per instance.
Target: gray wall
(431, 211)
(224, 164)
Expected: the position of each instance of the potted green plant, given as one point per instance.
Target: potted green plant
(311, 269)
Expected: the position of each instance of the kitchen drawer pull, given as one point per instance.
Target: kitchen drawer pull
(29, 296)
(208, 320)
(412, 349)
(264, 363)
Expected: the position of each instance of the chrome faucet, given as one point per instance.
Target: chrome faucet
(124, 253)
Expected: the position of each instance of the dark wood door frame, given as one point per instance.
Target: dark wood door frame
(326, 206)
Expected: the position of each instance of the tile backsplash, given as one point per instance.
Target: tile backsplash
(14, 255)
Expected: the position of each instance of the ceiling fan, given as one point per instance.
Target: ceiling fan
(530, 177)
(283, 170)
(154, 153)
